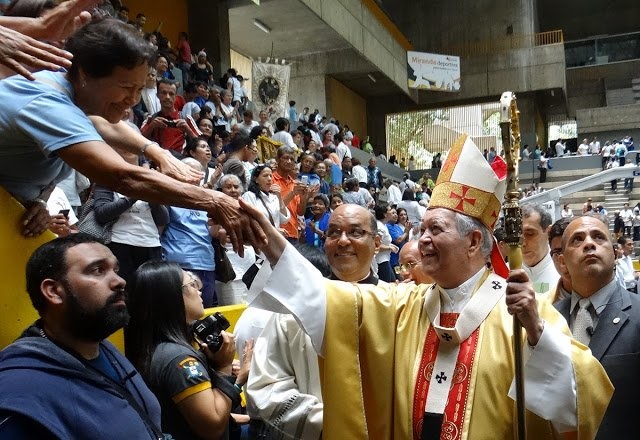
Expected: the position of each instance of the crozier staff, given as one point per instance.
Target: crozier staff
(421, 362)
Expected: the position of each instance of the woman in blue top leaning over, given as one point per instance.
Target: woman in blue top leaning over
(71, 119)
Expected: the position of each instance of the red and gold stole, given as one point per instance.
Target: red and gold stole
(453, 418)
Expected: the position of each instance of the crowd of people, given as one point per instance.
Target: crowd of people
(398, 286)
(612, 149)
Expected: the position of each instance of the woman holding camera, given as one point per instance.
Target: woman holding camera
(195, 388)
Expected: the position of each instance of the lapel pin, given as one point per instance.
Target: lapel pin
(616, 320)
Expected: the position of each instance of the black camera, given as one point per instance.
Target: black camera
(172, 124)
(207, 330)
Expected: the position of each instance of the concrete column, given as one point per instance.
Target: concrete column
(209, 29)
(527, 107)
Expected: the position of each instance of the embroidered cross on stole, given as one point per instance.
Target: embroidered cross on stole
(444, 375)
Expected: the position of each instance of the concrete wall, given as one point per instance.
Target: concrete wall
(307, 82)
(608, 119)
(438, 24)
(620, 96)
(362, 30)
(521, 70)
(172, 14)
(309, 91)
(584, 95)
(346, 106)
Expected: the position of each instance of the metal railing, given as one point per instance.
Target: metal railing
(487, 47)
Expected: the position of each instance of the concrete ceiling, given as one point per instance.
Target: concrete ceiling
(295, 30)
(583, 19)
(363, 85)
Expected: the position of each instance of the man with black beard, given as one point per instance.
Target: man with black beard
(61, 379)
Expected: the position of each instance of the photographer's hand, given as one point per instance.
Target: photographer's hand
(221, 360)
(158, 122)
(181, 124)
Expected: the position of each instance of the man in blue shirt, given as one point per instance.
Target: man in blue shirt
(61, 379)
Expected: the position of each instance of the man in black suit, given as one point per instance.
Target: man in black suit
(604, 316)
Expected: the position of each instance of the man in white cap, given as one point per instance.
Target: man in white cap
(406, 361)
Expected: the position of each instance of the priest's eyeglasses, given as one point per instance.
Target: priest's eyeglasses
(403, 268)
(352, 234)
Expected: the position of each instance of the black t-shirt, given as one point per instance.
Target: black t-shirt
(177, 372)
(200, 74)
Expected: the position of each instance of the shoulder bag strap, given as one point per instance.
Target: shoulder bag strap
(267, 208)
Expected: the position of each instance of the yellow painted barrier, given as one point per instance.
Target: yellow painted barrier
(232, 313)
(16, 311)
(15, 306)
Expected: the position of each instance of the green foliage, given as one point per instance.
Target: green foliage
(405, 134)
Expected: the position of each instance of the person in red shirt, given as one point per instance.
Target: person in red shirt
(166, 127)
(294, 194)
(185, 59)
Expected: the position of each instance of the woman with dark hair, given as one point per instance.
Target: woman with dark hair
(327, 139)
(195, 388)
(198, 148)
(266, 196)
(383, 256)
(258, 131)
(206, 126)
(312, 148)
(403, 219)
(47, 122)
(415, 211)
(186, 240)
(209, 133)
(399, 235)
(205, 112)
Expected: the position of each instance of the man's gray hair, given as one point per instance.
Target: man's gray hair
(224, 179)
(465, 225)
(545, 216)
(285, 149)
